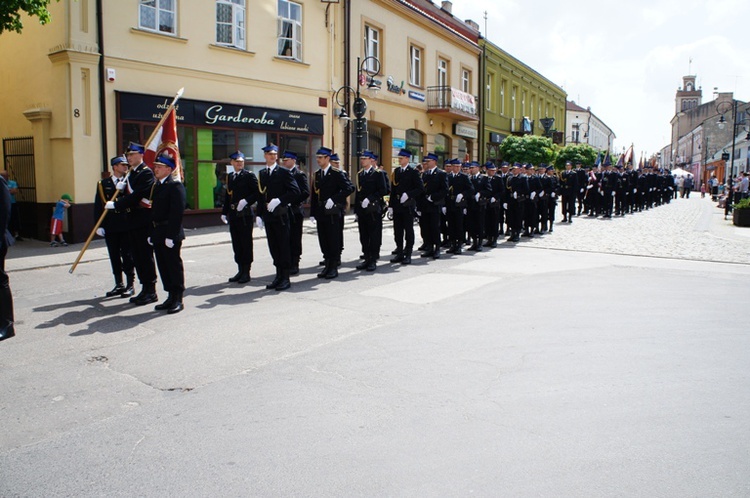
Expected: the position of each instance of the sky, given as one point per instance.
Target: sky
(625, 60)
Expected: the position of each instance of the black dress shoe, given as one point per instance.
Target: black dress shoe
(362, 266)
(245, 278)
(422, 248)
(145, 299)
(136, 298)
(406, 260)
(273, 284)
(165, 305)
(7, 332)
(236, 277)
(128, 292)
(177, 306)
(321, 263)
(399, 258)
(331, 273)
(294, 271)
(371, 266)
(436, 255)
(427, 254)
(395, 251)
(116, 291)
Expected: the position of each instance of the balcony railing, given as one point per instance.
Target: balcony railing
(451, 102)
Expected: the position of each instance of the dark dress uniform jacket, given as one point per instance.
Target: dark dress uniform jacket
(370, 185)
(115, 221)
(168, 201)
(436, 188)
(335, 186)
(405, 180)
(242, 185)
(134, 199)
(280, 184)
(460, 183)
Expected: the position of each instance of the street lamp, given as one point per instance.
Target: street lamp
(369, 66)
(577, 134)
(722, 108)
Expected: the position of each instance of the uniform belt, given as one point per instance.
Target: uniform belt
(159, 223)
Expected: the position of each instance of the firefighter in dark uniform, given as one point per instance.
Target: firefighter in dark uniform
(582, 178)
(297, 216)
(517, 191)
(114, 229)
(278, 189)
(241, 194)
(542, 196)
(134, 199)
(496, 189)
(609, 178)
(531, 214)
(435, 183)
(477, 208)
(330, 189)
(460, 190)
(570, 189)
(504, 175)
(406, 189)
(168, 206)
(368, 206)
(552, 194)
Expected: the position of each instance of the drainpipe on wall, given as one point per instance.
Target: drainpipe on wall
(482, 110)
(347, 79)
(102, 101)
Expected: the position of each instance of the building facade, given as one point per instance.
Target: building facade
(516, 100)
(584, 127)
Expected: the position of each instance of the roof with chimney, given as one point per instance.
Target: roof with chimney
(444, 17)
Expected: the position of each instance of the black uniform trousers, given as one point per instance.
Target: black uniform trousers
(515, 215)
(403, 229)
(530, 215)
(171, 269)
(296, 219)
(241, 233)
(476, 215)
(143, 258)
(456, 232)
(370, 227)
(330, 236)
(431, 219)
(278, 234)
(120, 257)
(6, 298)
(568, 204)
(492, 221)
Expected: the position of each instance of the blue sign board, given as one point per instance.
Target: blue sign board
(399, 143)
(416, 95)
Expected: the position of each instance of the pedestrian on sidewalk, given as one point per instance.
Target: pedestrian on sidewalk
(703, 190)
(6, 299)
(55, 226)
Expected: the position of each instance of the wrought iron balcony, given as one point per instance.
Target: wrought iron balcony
(452, 103)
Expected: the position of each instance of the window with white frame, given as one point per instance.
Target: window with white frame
(488, 90)
(158, 15)
(466, 81)
(415, 65)
(502, 97)
(513, 93)
(442, 72)
(230, 23)
(290, 30)
(372, 47)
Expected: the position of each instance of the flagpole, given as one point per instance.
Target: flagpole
(117, 192)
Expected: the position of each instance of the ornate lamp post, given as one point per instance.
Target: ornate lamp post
(369, 66)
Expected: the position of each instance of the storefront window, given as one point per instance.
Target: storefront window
(415, 144)
(464, 149)
(442, 148)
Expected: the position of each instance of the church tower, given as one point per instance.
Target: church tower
(688, 97)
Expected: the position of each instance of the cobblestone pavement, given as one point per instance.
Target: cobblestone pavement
(692, 229)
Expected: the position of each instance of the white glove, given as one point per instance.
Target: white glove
(259, 222)
(312, 220)
(553, 195)
(635, 190)
(365, 203)
(541, 194)
(356, 218)
(149, 241)
(120, 185)
(493, 200)
(329, 204)
(390, 211)
(505, 205)
(419, 213)
(429, 198)
(587, 187)
(533, 195)
(444, 210)
(613, 193)
(515, 195)
(581, 190)
(241, 205)
(459, 197)
(464, 212)
(109, 205)
(100, 232)
(169, 243)
(404, 197)
(224, 219)
(476, 196)
(273, 204)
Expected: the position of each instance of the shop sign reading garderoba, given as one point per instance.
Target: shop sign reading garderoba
(139, 107)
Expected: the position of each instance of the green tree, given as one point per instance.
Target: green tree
(10, 13)
(581, 153)
(531, 149)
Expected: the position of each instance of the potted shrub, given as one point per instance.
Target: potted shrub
(741, 213)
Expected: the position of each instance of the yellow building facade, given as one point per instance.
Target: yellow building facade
(76, 91)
